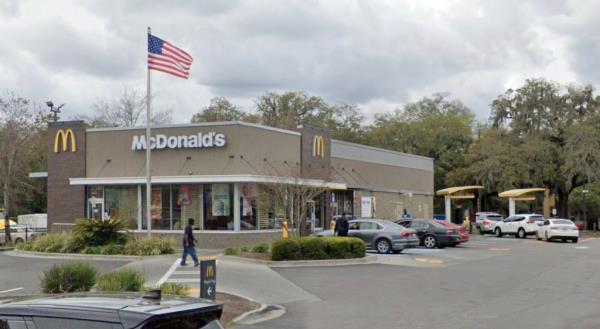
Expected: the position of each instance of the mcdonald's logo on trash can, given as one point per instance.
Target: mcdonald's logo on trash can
(62, 139)
(318, 146)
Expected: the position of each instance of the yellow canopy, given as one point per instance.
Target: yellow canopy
(3, 224)
(456, 189)
(521, 192)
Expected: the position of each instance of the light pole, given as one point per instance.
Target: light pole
(55, 110)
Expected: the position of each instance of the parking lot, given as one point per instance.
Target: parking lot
(488, 282)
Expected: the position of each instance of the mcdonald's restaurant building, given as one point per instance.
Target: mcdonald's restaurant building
(213, 173)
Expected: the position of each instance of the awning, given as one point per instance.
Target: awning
(521, 193)
(459, 192)
(207, 179)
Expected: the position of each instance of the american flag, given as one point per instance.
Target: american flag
(164, 57)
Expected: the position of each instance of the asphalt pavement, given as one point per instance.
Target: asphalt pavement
(487, 283)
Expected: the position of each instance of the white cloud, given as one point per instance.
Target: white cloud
(379, 54)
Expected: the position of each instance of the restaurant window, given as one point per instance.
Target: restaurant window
(218, 207)
(248, 207)
(121, 202)
(187, 200)
(160, 207)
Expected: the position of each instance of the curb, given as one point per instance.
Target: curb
(263, 313)
(369, 259)
(35, 254)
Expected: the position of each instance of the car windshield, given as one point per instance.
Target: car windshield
(537, 218)
(562, 222)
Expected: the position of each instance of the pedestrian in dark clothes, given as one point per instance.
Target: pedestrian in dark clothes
(341, 226)
(189, 246)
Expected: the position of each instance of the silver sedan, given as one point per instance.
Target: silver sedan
(381, 235)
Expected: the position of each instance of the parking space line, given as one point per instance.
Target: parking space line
(11, 290)
(499, 249)
(197, 280)
(429, 260)
(170, 271)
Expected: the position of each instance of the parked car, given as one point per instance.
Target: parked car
(79, 311)
(384, 236)
(462, 232)
(432, 233)
(520, 225)
(485, 221)
(558, 229)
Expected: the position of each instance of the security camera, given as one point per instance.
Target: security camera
(49, 103)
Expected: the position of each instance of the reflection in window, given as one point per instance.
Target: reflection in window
(121, 202)
(218, 207)
(248, 207)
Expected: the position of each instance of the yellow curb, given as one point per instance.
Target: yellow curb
(499, 249)
(588, 239)
(429, 260)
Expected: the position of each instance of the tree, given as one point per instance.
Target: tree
(562, 122)
(17, 129)
(129, 110)
(288, 110)
(344, 122)
(220, 109)
(435, 127)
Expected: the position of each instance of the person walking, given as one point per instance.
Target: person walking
(341, 226)
(189, 246)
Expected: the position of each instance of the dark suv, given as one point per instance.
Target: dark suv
(108, 311)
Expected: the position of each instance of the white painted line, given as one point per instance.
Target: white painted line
(582, 247)
(186, 273)
(184, 280)
(11, 290)
(164, 278)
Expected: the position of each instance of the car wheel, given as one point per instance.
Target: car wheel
(18, 240)
(383, 246)
(574, 240)
(430, 242)
(521, 234)
(498, 232)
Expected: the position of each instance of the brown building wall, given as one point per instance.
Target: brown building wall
(380, 176)
(390, 205)
(245, 153)
(65, 202)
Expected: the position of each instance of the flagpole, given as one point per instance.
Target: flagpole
(148, 174)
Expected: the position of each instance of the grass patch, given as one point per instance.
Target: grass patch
(123, 280)
(70, 277)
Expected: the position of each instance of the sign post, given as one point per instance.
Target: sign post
(208, 279)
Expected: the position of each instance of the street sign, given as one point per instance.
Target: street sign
(208, 279)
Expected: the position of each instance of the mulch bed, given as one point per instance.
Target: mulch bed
(234, 306)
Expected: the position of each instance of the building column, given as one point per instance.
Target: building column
(236, 207)
(448, 208)
(140, 208)
(511, 207)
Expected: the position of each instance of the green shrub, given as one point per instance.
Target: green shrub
(357, 248)
(48, 243)
(91, 250)
(70, 277)
(244, 249)
(98, 233)
(112, 249)
(174, 289)
(313, 248)
(149, 246)
(286, 249)
(72, 244)
(123, 280)
(27, 246)
(231, 251)
(261, 248)
(338, 247)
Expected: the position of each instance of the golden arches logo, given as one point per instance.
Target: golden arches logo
(318, 147)
(62, 138)
(210, 272)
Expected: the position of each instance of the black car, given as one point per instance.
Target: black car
(108, 311)
(432, 234)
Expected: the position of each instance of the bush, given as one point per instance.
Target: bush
(286, 249)
(71, 277)
(231, 251)
(261, 248)
(72, 244)
(91, 250)
(123, 280)
(318, 248)
(174, 289)
(98, 233)
(313, 248)
(149, 246)
(27, 246)
(48, 243)
(112, 249)
(244, 249)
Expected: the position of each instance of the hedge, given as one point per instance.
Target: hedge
(318, 248)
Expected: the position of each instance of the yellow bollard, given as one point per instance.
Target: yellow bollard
(285, 231)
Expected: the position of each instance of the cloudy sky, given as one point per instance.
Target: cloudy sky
(378, 54)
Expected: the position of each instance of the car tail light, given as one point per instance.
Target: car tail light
(486, 222)
(450, 232)
(406, 233)
(531, 221)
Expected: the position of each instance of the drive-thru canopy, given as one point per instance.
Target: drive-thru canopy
(457, 192)
(521, 194)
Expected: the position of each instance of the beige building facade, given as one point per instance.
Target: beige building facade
(212, 172)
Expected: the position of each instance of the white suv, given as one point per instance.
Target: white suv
(521, 225)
